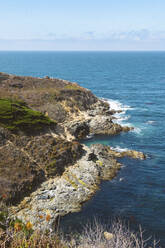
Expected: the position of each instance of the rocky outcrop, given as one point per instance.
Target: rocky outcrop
(79, 130)
(59, 98)
(74, 108)
(43, 168)
(60, 196)
(128, 153)
(102, 124)
(97, 120)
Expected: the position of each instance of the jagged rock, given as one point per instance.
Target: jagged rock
(42, 168)
(134, 154)
(105, 125)
(92, 157)
(126, 128)
(59, 196)
(108, 152)
(79, 130)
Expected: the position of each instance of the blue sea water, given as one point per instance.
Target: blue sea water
(134, 82)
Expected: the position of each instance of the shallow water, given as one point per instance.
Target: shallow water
(136, 83)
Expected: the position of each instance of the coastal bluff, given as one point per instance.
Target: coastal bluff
(44, 168)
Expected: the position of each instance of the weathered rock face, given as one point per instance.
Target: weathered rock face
(43, 167)
(97, 120)
(59, 196)
(104, 125)
(34, 147)
(63, 102)
(79, 129)
(107, 151)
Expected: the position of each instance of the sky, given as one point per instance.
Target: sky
(82, 25)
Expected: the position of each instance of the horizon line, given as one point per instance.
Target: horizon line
(82, 50)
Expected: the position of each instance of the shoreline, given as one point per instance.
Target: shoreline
(66, 194)
(58, 174)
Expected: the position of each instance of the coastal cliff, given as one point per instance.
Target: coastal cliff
(44, 169)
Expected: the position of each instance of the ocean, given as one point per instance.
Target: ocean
(135, 83)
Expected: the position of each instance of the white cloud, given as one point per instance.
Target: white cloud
(132, 35)
(143, 39)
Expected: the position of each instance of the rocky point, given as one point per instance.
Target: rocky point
(44, 169)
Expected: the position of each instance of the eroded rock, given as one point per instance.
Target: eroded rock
(47, 172)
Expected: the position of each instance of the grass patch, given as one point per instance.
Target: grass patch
(72, 87)
(16, 116)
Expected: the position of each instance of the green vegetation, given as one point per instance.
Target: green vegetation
(72, 87)
(16, 116)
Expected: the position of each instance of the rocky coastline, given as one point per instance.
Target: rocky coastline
(45, 172)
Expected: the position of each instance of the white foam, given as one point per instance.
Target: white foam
(89, 136)
(119, 149)
(125, 118)
(150, 122)
(136, 130)
(121, 179)
(121, 118)
(116, 105)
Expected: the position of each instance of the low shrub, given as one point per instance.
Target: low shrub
(95, 235)
(16, 116)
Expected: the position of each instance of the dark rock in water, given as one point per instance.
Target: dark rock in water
(127, 129)
(112, 111)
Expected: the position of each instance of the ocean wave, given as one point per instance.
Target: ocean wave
(90, 136)
(151, 122)
(116, 105)
(119, 149)
(122, 118)
(136, 130)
